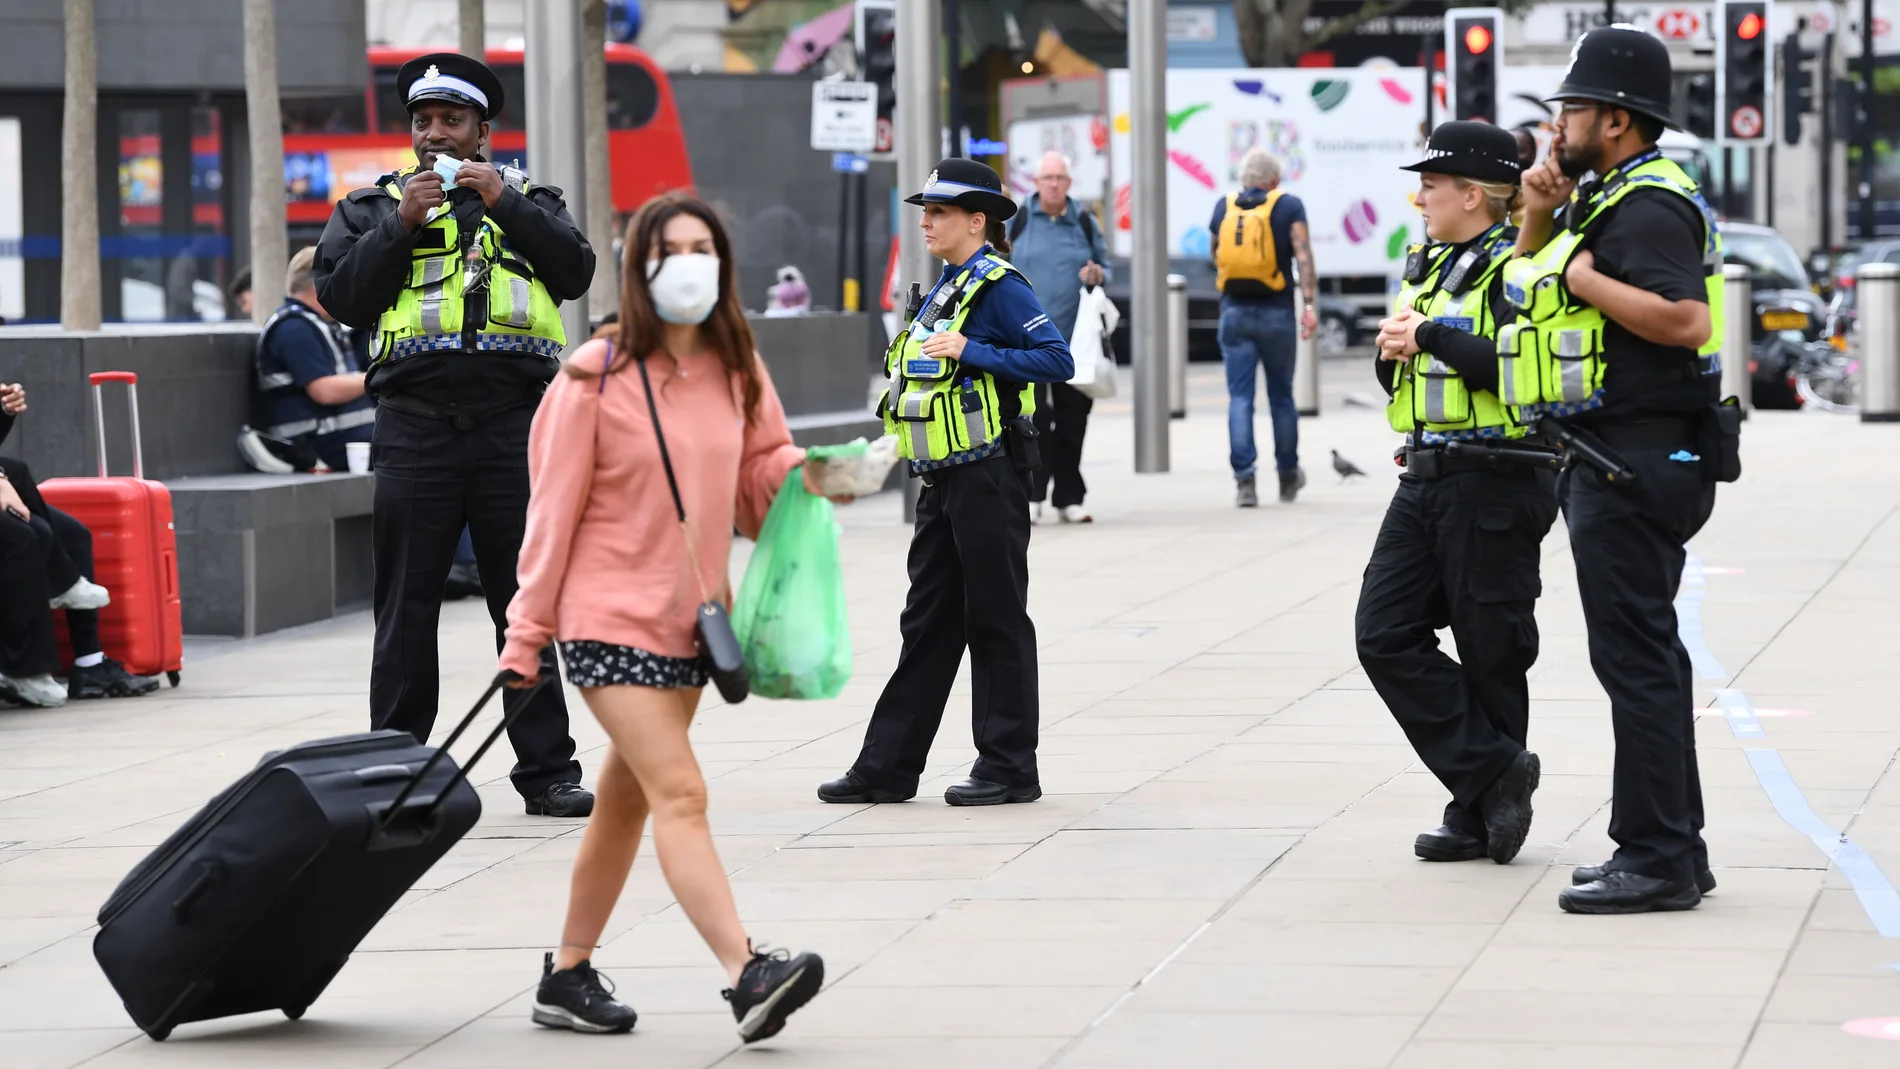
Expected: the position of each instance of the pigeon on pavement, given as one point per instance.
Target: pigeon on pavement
(1346, 468)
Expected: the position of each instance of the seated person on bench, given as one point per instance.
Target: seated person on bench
(309, 402)
(46, 564)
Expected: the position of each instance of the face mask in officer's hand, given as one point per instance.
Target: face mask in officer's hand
(684, 286)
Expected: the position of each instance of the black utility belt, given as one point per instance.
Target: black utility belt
(1457, 457)
(463, 419)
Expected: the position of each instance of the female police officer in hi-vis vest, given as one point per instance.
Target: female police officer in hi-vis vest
(961, 393)
(1459, 546)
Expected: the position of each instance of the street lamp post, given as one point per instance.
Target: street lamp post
(918, 140)
(555, 121)
(1148, 264)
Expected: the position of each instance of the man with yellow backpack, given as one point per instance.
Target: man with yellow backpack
(1257, 234)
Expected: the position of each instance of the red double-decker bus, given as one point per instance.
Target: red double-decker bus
(332, 147)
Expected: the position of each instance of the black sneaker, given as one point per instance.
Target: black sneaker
(773, 985)
(562, 800)
(580, 1000)
(107, 679)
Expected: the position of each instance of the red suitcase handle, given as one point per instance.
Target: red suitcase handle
(131, 380)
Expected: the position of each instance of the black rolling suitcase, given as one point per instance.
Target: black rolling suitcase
(257, 902)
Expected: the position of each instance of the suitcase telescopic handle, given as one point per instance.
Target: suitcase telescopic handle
(131, 380)
(502, 679)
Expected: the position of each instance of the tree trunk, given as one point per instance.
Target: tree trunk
(79, 287)
(598, 220)
(265, 118)
(474, 29)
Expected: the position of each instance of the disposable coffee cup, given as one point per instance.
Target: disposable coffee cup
(359, 456)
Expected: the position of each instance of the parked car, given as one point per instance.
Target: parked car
(1788, 314)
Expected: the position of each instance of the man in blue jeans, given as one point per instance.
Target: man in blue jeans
(1257, 232)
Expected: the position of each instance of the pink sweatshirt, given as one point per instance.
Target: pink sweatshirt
(604, 557)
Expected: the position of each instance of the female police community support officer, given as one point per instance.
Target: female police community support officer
(460, 279)
(1459, 546)
(1621, 307)
(962, 390)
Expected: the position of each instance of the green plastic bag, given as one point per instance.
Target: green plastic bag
(790, 615)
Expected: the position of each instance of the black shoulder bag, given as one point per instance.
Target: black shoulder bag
(712, 625)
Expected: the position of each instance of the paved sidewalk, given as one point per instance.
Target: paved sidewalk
(1220, 874)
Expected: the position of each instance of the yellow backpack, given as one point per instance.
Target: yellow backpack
(1245, 250)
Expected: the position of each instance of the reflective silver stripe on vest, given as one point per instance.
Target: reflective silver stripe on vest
(435, 269)
(1570, 365)
(1435, 411)
(913, 410)
(327, 425)
(517, 303)
(976, 431)
(435, 272)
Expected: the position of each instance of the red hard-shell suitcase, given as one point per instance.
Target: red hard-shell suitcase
(134, 549)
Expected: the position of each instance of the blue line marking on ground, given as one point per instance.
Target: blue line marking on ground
(1689, 621)
(1740, 713)
(1871, 886)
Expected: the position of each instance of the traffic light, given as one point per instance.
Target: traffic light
(1742, 71)
(1698, 110)
(1797, 87)
(877, 49)
(1474, 49)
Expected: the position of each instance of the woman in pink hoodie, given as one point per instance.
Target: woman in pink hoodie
(607, 572)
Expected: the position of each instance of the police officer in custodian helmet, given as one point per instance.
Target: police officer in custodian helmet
(1459, 545)
(962, 390)
(459, 275)
(1620, 299)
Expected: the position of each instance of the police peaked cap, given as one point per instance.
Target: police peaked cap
(451, 77)
(968, 185)
(1469, 149)
(1623, 67)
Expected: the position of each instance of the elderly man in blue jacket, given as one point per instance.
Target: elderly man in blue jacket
(1059, 248)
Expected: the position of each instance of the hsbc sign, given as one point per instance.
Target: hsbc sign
(1679, 24)
(1560, 24)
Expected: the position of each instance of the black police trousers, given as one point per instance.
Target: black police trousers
(1628, 545)
(1461, 552)
(969, 588)
(431, 480)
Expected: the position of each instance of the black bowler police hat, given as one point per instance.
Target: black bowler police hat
(1623, 67)
(968, 185)
(451, 77)
(1471, 150)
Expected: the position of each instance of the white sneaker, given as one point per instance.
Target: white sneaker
(1074, 514)
(1035, 512)
(41, 690)
(84, 594)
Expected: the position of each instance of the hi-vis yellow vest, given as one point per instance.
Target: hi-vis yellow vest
(1244, 249)
(429, 314)
(1552, 356)
(1429, 394)
(936, 407)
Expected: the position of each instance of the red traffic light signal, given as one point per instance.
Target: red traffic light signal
(1477, 40)
(1750, 27)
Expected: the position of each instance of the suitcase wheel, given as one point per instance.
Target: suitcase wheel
(172, 678)
(294, 1012)
(159, 1036)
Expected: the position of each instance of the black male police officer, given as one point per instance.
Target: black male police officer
(1459, 545)
(1621, 309)
(460, 278)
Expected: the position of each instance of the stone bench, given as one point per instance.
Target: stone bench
(259, 553)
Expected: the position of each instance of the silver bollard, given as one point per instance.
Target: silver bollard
(1877, 293)
(1305, 365)
(1738, 320)
(1177, 346)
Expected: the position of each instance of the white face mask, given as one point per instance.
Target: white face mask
(684, 286)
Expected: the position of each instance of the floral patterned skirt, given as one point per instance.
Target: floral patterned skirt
(603, 664)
